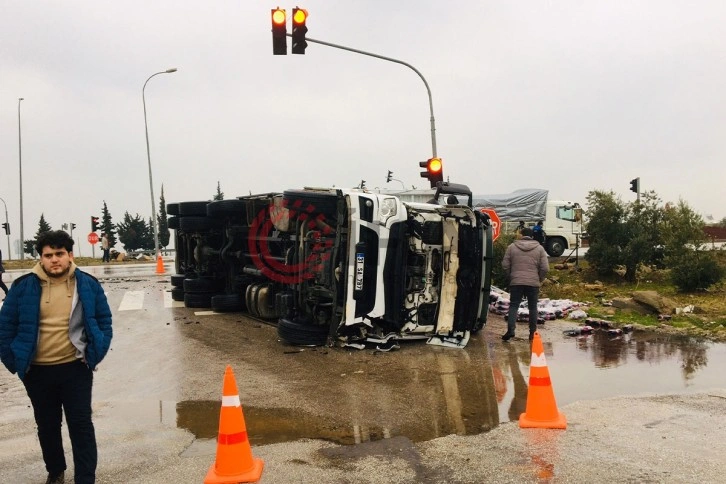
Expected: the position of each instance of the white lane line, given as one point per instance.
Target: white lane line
(132, 300)
(204, 313)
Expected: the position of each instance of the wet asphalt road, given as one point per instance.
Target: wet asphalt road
(421, 414)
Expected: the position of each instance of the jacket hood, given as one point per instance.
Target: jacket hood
(45, 280)
(526, 244)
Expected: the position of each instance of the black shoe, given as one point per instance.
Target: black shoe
(507, 337)
(57, 478)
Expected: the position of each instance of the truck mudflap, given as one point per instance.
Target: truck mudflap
(454, 340)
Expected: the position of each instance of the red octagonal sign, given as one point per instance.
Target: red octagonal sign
(93, 238)
(496, 223)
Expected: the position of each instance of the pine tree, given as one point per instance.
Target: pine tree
(219, 195)
(107, 225)
(161, 220)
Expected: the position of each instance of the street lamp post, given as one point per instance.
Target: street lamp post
(20, 171)
(148, 156)
(10, 256)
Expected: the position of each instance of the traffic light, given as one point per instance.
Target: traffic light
(635, 185)
(94, 223)
(279, 31)
(434, 170)
(6, 226)
(299, 16)
(389, 176)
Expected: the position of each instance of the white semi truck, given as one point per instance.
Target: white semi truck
(339, 265)
(562, 219)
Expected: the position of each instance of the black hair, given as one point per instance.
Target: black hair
(55, 239)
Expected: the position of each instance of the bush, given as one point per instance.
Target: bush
(694, 270)
(499, 279)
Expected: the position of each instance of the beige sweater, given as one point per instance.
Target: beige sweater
(54, 345)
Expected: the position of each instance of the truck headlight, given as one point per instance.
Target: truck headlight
(387, 209)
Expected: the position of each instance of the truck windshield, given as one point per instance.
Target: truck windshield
(571, 213)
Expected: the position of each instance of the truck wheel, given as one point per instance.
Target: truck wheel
(173, 222)
(177, 280)
(302, 334)
(193, 300)
(199, 285)
(193, 208)
(177, 294)
(226, 208)
(198, 224)
(172, 209)
(555, 247)
(227, 303)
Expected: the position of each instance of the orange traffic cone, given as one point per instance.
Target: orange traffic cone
(541, 409)
(234, 462)
(159, 263)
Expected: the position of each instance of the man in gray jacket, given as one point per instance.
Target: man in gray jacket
(525, 264)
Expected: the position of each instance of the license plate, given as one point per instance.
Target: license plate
(360, 259)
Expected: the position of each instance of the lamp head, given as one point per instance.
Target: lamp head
(169, 71)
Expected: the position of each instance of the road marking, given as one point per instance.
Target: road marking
(204, 313)
(170, 303)
(132, 300)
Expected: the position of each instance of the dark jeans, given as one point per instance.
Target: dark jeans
(106, 255)
(53, 388)
(515, 298)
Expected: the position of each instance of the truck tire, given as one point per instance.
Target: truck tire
(199, 285)
(226, 208)
(302, 334)
(177, 294)
(198, 300)
(173, 222)
(177, 280)
(172, 209)
(555, 246)
(198, 223)
(227, 303)
(193, 208)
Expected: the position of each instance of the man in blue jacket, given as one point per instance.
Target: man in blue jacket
(55, 327)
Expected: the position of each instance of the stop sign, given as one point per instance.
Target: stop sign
(496, 223)
(93, 238)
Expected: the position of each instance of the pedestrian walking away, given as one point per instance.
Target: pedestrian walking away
(538, 233)
(2, 271)
(525, 264)
(55, 328)
(106, 248)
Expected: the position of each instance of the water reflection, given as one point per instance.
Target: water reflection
(608, 351)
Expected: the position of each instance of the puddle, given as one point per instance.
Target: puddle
(275, 425)
(464, 392)
(599, 366)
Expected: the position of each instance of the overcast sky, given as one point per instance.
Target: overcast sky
(564, 95)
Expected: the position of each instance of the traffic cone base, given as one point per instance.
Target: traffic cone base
(541, 409)
(252, 475)
(234, 462)
(559, 422)
(159, 264)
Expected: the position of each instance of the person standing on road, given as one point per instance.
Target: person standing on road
(526, 265)
(518, 229)
(2, 271)
(55, 327)
(105, 247)
(538, 233)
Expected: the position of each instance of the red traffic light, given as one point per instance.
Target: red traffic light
(279, 31)
(434, 166)
(278, 16)
(434, 170)
(299, 16)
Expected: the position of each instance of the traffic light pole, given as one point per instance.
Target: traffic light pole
(428, 90)
(10, 256)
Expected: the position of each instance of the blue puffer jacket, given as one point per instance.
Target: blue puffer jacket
(19, 321)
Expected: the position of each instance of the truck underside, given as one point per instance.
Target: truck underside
(337, 266)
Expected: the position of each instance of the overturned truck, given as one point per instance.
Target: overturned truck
(343, 266)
